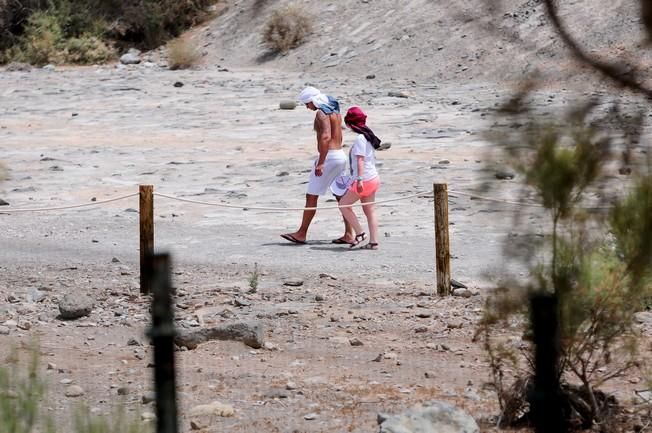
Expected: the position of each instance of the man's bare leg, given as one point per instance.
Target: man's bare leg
(349, 234)
(301, 234)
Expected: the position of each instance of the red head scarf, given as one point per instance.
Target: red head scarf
(357, 121)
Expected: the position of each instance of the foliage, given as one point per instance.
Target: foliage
(597, 262)
(23, 392)
(254, 279)
(286, 28)
(182, 54)
(87, 31)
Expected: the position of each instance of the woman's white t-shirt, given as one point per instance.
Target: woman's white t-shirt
(362, 147)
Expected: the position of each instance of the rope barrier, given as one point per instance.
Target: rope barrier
(279, 209)
(283, 209)
(75, 206)
(518, 203)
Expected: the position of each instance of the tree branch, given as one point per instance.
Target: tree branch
(609, 70)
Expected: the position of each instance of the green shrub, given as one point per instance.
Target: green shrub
(87, 49)
(85, 31)
(595, 263)
(287, 28)
(39, 44)
(182, 54)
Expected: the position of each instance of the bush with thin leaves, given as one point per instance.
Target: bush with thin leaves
(287, 28)
(597, 262)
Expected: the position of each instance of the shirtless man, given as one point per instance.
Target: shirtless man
(330, 163)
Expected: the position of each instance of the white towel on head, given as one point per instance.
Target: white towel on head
(308, 94)
(320, 100)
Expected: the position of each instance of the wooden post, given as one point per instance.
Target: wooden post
(146, 232)
(442, 246)
(157, 272)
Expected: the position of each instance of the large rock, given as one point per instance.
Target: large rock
(131, 57)
(250, 333)
(432, 417)
(74, 307)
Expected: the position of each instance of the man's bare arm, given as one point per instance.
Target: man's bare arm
(323, 136)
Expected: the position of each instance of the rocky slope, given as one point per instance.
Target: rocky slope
(424, 39)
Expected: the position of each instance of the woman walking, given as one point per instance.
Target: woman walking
(365, 179)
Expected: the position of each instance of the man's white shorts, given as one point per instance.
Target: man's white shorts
(334, 165)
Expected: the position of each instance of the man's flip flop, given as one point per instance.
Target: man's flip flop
(340, 241)
(291, 238)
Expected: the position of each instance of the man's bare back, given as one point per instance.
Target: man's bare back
(329, 125)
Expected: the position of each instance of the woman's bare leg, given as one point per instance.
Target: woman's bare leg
(347, 212)
(372, 219)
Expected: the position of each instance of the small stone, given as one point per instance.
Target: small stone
(310, 416)
(421, 329)
(75, 306)
(454, 324)
(282, 174)
(424, 315)
(430, 375)
(25, 326)
(287, 105)
(444, 162)
(115, 260)
(133, 342)
(644, 317)
(320, 298)
(394, 94)
(74, 391)
(131, 57)
(4, 330)
(355, 342)
(370, 77)
(290, 386)
(147, 416)
(270, 346)
(52, 366)
(123, 390)
(293, 283)
(462, 293)
(212, 409)
(3, 202)
(504, 175)
(148, 398)
(178, 84)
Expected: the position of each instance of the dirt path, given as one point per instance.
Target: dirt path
(71, 135)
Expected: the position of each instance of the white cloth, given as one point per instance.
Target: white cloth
(362, 147)
(334, 164)
(311, 94)
(307, 94)
(341, 184)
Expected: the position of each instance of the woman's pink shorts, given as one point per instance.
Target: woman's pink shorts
(369, 187)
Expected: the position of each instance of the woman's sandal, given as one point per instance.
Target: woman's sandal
(370, 246)
(358, 238)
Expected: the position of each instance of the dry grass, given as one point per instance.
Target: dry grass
(287, 28)
(182, 54)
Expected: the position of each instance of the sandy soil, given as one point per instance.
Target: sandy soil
(74, 134)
